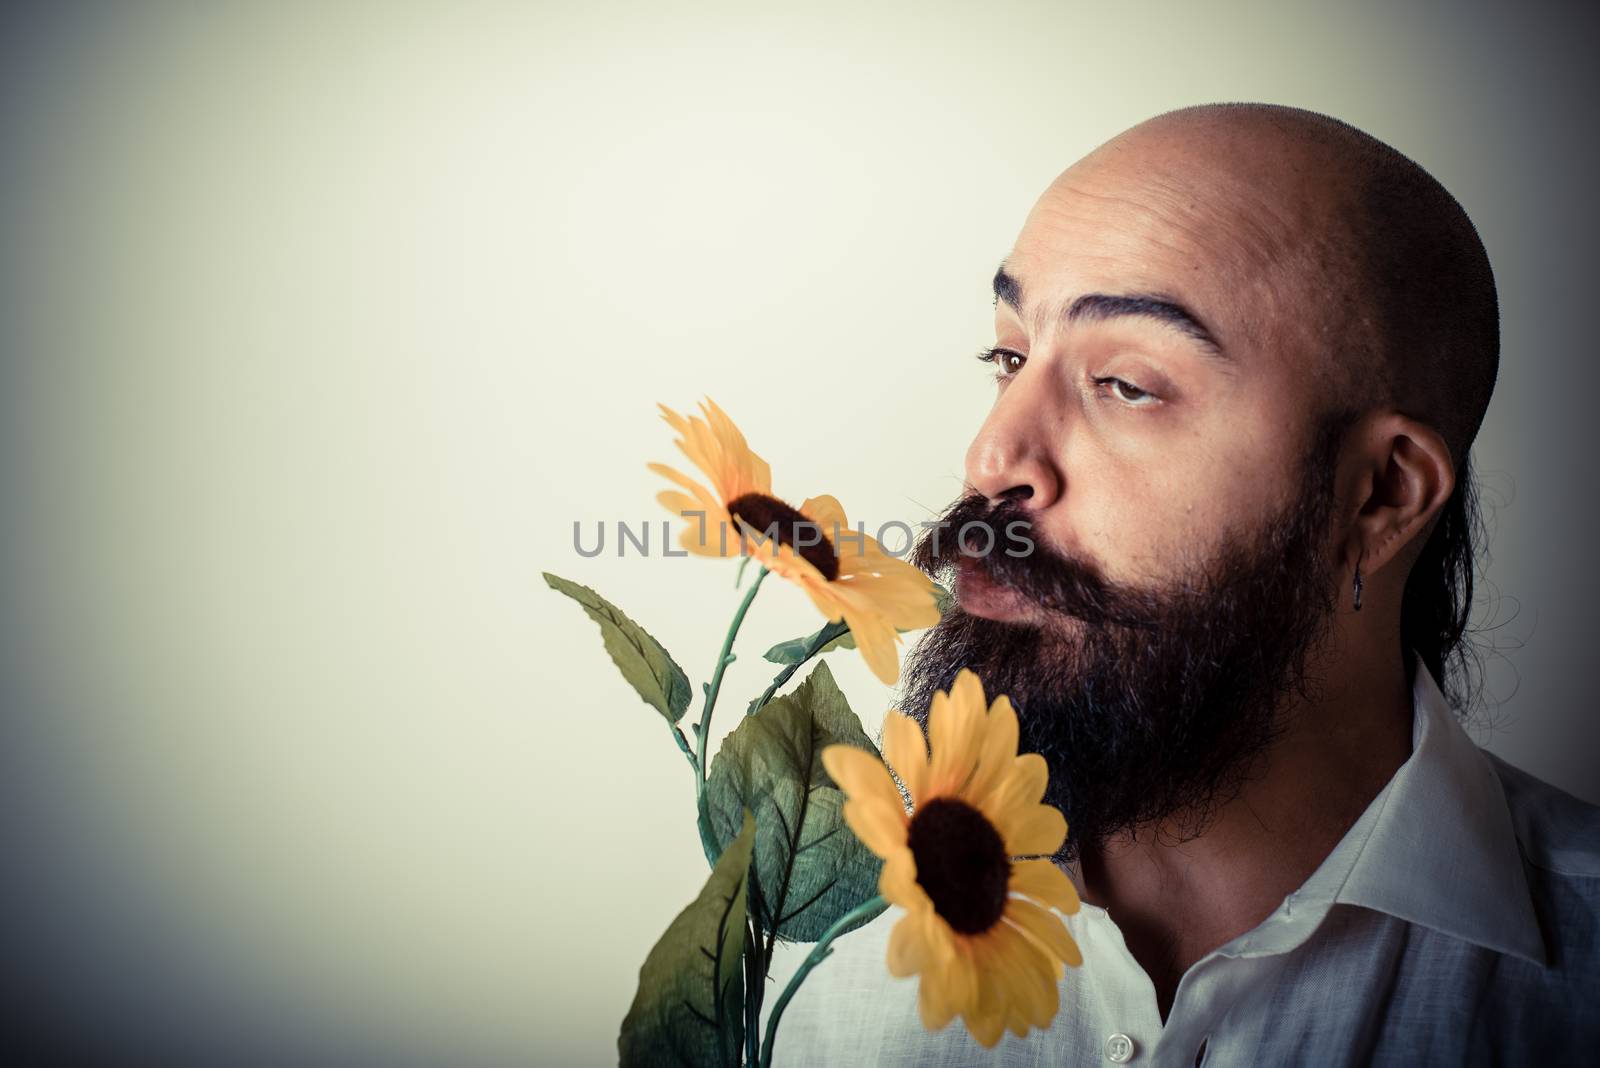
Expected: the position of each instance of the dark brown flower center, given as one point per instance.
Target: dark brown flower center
(961, 863)
(774, 520)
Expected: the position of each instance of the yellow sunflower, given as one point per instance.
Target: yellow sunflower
(846, 573)
(978, 926)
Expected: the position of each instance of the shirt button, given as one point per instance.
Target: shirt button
(1119, 1048)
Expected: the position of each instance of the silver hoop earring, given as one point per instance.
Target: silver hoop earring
(1358, 586)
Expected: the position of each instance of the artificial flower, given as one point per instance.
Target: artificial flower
(978, 926)
(846, 572)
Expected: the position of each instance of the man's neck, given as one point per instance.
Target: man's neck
(1175, 902)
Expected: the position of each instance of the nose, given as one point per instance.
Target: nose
(1013, 453)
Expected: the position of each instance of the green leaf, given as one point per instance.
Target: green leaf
(799, 650)
(648, 667)
(810, 869)
(689, 1008)
(836, 636)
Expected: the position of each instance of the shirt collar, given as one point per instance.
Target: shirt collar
(1442, 851)
(1435, 847)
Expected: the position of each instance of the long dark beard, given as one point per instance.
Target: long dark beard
(1151, 707)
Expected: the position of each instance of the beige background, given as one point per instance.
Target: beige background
(323, 324)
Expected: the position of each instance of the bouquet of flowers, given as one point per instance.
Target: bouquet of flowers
(809, 829)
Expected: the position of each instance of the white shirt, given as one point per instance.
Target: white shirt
(1456, 922)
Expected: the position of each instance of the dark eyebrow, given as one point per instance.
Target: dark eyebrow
(1097, 307)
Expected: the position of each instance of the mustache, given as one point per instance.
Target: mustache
(1000, 540)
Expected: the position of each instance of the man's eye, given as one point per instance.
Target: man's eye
(1006, 363)
(1126, 392)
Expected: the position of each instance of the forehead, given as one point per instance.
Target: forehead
(1240, 244)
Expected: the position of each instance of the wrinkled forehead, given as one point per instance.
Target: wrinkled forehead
(1249, 239)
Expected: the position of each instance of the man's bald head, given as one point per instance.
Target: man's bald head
(1406, 306)
(1410, 320)
(1200, 305)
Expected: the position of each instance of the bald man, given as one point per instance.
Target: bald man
(1241, 353)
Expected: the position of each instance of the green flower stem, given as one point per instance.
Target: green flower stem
(702, 730)
(683, 743)
(821, 638)
(818, 952)
(783, 677)
(755, 981)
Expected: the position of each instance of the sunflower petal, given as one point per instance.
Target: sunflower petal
(683, 480)
(876, 640)
(693, 442)
(933, 1000)
(1043, 881)
(967, 692)
(996, 996)
(1034, 975)
(909, 950)
(901, 594)
(703, 442)
(1045, 928)
(906, 751)
(747, 472)
(1020, 987)
(860, 774)
(1023, 785)
(998, 750)
(897, 882)
(826, 511)
(1033, 830)
(950, 730)
(1022, 1012)
(679, 504)
(986, 1027)
(880, 827)
(790, 565)
(702, 522)
(961, 972)
(674, 420)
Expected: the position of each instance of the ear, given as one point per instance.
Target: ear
(1396, 477)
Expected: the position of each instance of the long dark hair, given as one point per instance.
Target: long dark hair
(1437, 600)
